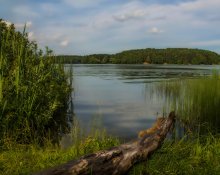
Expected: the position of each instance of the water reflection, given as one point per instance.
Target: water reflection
(122, 94)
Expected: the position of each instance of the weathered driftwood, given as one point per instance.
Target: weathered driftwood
(118, 160)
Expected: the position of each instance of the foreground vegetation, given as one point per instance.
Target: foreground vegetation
(34, 95)
(26, 159)
(196, 102)
(199, 156)
(147, 56)
(192, 156)
(33, 91)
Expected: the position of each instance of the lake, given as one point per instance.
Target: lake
(120, 97)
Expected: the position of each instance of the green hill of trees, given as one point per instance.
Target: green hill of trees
(147, 56)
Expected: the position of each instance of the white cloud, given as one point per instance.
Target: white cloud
(28, 24)
(64, 43)
(131, 10)
(129, 15)
(30, 35)
(155, 30)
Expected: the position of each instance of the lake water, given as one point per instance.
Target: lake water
(121, 96)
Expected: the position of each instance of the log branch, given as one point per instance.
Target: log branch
(118, 160)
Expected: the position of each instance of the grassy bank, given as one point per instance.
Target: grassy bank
(198, 156)
(196, 102)
(26, 159)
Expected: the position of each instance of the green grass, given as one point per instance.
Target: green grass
(186, 157)
(23, 159)
(196, 156)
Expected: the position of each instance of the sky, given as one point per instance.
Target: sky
(110, 26)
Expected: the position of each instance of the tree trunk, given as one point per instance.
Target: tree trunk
(118, 160)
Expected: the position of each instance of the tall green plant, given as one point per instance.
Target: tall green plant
(196, 101)
(33, 90)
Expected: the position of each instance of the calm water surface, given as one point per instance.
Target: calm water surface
(121, 95)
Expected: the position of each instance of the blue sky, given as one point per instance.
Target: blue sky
(109, 26)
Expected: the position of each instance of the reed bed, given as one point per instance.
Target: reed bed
(33, 91)
(196, 101)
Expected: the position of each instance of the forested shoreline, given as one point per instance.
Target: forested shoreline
(146, 56)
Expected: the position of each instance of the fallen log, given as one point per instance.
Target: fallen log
(118, 160)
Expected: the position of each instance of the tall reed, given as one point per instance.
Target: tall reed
(196, 101)
(33, 90)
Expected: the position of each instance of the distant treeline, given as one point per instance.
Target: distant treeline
(147, 56)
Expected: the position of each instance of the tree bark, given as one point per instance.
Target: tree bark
(117, 160)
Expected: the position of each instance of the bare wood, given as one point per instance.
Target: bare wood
(118, 160)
